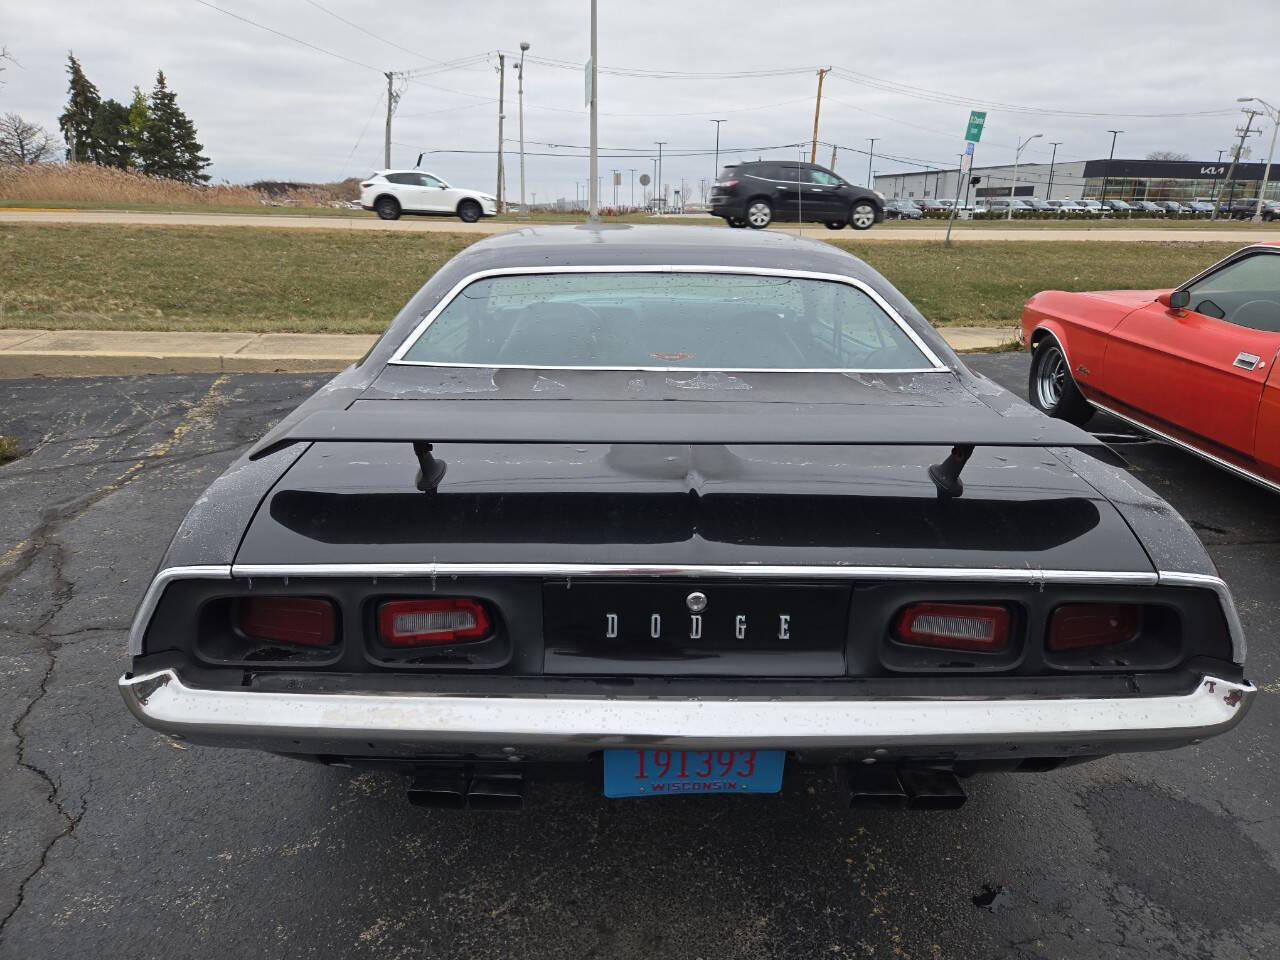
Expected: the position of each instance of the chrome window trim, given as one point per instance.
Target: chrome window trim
(270, 719)
(414, 335)
(151, 598)
(1190, 448)
(1251, 250)
(809, 571)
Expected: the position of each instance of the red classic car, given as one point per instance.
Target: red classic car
(1193, 365)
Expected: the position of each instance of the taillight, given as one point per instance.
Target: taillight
(726, 184)
(300, 621)
(983, 628)
(1078, 626)
(439, 620)
(366, 186)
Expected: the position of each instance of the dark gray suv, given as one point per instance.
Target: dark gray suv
(758, 193)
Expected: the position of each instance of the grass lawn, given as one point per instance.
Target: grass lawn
(319, 281)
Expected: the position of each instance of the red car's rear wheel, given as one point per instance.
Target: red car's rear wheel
(1052, 389)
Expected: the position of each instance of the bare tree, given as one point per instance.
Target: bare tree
(24, 142)
(1168, 155)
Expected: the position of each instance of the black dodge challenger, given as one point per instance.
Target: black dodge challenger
(684, 510)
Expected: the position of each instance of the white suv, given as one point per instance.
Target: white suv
(392, 192)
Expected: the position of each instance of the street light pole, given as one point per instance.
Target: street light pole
(1013, 191)
(594, 215)
(524, 46)
(1274, 116)
(1049, 190)
(716, 172)
(1106, 179)
(633, 187)
(871, 154)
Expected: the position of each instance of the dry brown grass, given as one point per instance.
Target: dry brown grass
(8, 449)
(87, 183)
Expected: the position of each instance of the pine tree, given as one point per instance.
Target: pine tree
(110, 135)
(76, 121)
(136, 128)
(169, 145)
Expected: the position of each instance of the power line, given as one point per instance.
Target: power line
(370, 33)
(938, 96)
(286, 36)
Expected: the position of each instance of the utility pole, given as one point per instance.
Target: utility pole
(1107, 176)
(524, 46)
(502, 86)
(616, 179)
(1235, 159)
(658, 191)
(633, 187)
(391, 105)
(717, 170)
(1274, 116)
(832, 168)
(817, 107)
(1055, 144)
(871, 156)
(594, 214)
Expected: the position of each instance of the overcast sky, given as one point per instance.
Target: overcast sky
(269, 107)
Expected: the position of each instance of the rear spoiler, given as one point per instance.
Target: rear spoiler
(665, 422)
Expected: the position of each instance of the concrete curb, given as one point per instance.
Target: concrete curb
(99, 353)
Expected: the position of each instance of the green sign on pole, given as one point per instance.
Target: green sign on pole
(974, 131)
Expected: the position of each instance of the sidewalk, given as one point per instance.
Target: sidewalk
(91, 353)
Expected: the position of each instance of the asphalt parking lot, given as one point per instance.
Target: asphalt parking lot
(117, 842)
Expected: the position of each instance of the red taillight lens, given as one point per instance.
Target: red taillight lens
(726, 184)
(1079, 626)
(983, 628)
(427, 623)
(366, 186)
(301, 621)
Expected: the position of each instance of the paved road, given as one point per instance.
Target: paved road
(118, 843)
(890, 232)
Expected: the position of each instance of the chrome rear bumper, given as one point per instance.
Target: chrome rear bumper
(408, 724)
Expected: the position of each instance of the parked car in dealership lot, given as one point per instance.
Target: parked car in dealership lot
(1173, 206)
(902, 209)
(1040, 206)
(999, 206)
(1193, 365)
(802, 535)
(934, 204)
(756, 194)
(1148, 207)
(1069, 207)
(391, 193)
(1199, 206)
(1092, 207)
(1116, 206)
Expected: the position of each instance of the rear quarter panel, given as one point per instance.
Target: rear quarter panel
(1081, 322)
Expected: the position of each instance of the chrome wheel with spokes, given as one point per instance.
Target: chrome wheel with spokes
(1050, 386)
(1051, 376)
(759, 214)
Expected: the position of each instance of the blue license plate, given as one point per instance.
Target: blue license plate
(688, 773)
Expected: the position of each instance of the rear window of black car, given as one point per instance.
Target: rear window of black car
(666, 320)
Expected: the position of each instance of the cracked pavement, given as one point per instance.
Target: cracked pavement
(118, 842)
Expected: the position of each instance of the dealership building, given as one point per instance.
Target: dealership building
(1085, 179)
